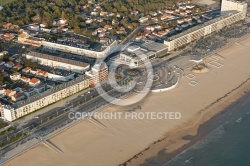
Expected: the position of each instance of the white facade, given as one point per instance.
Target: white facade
(228, 18)
(15, 76)
(56, 77)
(6, 110)
(78, 68)
(65, 48)
(79, 51)
(34, 103)
(196, 32)
(134, 59)
(229, 5)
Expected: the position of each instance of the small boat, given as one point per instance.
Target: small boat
(189, 160)
(239, 120)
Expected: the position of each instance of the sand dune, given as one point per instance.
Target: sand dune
(93, 145)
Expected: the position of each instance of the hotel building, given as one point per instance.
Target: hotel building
(232, 12)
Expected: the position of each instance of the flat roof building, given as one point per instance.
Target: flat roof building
(232, 12)
(98, 73)
(134, 58)
(55, 61)
(40, 100)
(93, 53)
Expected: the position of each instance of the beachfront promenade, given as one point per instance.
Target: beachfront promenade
(118, 134)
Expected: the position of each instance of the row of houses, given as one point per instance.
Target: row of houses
(37, 98)
(20, 94)
(7, 36)
(170, 13)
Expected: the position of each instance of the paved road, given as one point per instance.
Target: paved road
(58, 117)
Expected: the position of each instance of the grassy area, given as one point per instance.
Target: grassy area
(3, 124)
(5, 2)
(7, 131)
(165, 55)
(13, 139)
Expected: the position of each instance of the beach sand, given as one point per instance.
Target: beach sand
(119, 140)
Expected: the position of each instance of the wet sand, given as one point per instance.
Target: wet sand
(119, 140)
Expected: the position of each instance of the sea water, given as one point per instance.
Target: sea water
(227, 145)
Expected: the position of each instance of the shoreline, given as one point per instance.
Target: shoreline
(217, 90)
(220, 106)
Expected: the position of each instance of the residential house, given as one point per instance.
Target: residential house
(143, 19)
(1, 62)
(138, 37)
(190, 6)
(17, 67)
(61, 21)
(153, 14)
(169, 11)
(42, 73)
(40, 88)
(155, 19)
(25, 79)
(33, 27)
(33, 71)
(180, 21)
(94, 33)
(10, 92)
(102, 34)
(102, 13)
(18, 96)
(158, 27)
(104, 40)
(43, 25)
(118, 15)
(166, 16)
(36, 18)
(29, 91)
(8, 36)
(26, 69)
(182, 7)
(183, 13)
(9, 64)
(15, 76)
(34, 82)
(2, 91)
(93, 13)
(108, 27)
(7, 26)
(150, 28)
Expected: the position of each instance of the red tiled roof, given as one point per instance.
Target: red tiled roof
(34, 80)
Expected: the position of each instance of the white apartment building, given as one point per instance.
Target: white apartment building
(61, 77)
(25, 39)
(41, 100)
(230, 5)
(57, 62)
(98, 73)
(228, 18)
